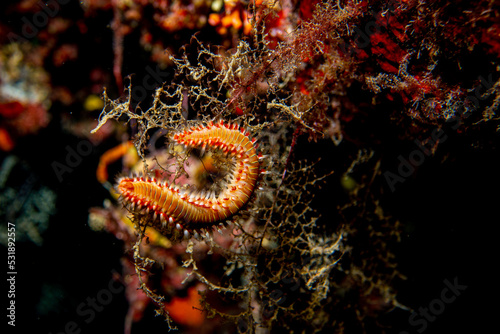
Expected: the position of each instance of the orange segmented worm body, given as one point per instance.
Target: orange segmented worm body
(110, 156)
(186, 209)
